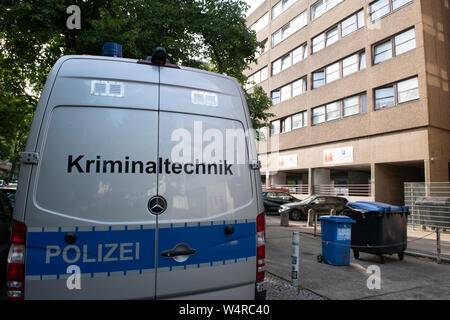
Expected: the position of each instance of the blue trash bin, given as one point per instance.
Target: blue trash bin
(336, 240)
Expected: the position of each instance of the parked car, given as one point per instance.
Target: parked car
(274, 198)
(9, 192)
(321, 205)
(5, 224)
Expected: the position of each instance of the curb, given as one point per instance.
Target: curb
(426, 255)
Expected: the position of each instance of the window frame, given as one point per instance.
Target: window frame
(283, 7)
(393, 45)
(340, 36)
(340, 62)
(259, 21)
(288, 28)
(251, 78)
(396, 93)
(362, 105)
(390, 7)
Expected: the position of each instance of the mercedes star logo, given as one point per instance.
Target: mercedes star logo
(157, 205)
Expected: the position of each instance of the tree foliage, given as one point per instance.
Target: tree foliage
(198, 33)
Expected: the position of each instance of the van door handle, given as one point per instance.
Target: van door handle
(179, 250)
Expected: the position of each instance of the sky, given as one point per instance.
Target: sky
(253, 5)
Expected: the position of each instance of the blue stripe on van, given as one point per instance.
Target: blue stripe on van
(128, 249)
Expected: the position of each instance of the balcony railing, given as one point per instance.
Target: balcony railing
(295, 189)
(352, 190)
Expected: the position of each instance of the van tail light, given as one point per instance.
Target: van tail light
(260, 248)
(16, 262)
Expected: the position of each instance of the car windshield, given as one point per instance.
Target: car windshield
(308, 200)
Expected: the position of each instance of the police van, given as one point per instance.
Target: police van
(126, 190)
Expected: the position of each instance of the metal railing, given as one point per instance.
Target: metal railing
(355, 190)
(429, 204)
(295, 189)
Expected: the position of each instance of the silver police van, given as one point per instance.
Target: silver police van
(139, 181)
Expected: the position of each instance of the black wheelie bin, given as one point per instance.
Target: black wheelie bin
(379, 229)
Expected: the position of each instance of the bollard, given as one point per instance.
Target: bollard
(315, 225)
(295, 259)
(284, 219)
(438, 244)
(310, 222)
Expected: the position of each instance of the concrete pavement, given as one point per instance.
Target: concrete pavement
(412, 278)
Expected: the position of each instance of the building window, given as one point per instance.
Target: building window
(384, 97)
(338, 31)
(400, 92)
(285, 62)
(322, 6)
(362, 61)
(276, 38)
(275, 127)
(298, 87)
(260, 51)
(408, 90)
(261, 133)
(257, 77)
(332, 73)
(381, 8)
(318, 43)
(332, 36)
(395, 46)
(275, 96)
(333, 111)
(286, 92)
(318, 115)
(354, 105)
(299, 120)
(318, 79)
(405, 42)
(276, 67)
(260, 23)
(286, 125)
(292, 26)
(281, 6)
(349, 25)
(296, 55)
(349, 65)
(339, 109)
(299, 53)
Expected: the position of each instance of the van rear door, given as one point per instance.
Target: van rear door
(207, 233)
(86, 208)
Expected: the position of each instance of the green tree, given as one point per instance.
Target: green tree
(33, 34)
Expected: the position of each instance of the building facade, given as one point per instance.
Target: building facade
(360, 92)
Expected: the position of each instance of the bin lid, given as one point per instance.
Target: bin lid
(365, 206)
(386, 207)
(337, 219)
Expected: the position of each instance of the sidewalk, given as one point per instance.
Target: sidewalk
(413, 278)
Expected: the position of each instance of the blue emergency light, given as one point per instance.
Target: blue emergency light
(112, 49)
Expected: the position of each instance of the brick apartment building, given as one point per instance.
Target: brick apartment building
(360, 92)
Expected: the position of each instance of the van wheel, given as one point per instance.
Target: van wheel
(296, 215)
(401, 255)
(356, 254)
(382, 260)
